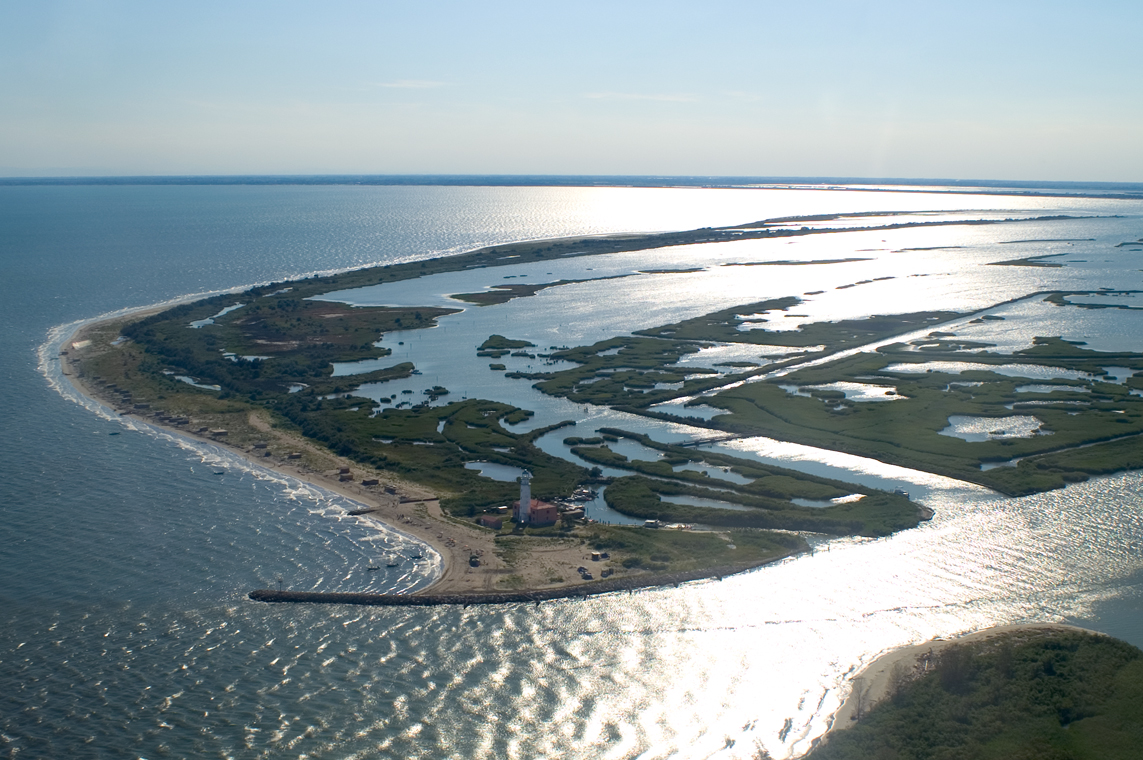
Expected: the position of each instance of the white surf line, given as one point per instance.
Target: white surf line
(208, 453)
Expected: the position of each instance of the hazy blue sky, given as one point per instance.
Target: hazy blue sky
(1017, 90)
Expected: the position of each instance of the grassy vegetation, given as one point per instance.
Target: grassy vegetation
(403, 441)
(660, 551)
(414, 444)
(272, 341)
(768, 493)
(725, 326)
(407, 441)
(640, 497)
(907, 431)
(634, 373)
(1051, 696)
(498, 294)
(624, 372)
(630, 372)
(497, 346)
(270, 349)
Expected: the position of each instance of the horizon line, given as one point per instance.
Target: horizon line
(565, 180)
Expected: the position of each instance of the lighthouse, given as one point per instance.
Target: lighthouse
(524, 506)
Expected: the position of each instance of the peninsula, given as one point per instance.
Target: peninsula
(252, 371)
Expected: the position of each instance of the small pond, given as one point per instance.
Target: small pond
(501, 472)
(828, 502)
(680, 408)
(196, 384)
(1052, 388)
(698, 501)
(976, 429)
(717, 473)
(1031, 371)
(858, 392)
(210, 320)
(1117, 375)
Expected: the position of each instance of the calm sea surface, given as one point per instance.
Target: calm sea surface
(124, 627)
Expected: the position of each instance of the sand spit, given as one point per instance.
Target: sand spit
(472, 562)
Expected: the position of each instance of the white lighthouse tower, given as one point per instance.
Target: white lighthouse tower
(524, 506)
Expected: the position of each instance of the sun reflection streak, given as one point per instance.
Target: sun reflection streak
(716, 668)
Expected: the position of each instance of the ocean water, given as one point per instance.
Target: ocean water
(126, 558)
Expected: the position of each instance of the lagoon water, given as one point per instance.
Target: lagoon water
(126, 558)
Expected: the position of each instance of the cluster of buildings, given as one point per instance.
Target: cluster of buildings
(529, 511)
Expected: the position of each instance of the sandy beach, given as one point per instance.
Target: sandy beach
(472, 561)
(875, 677)
(405, 506)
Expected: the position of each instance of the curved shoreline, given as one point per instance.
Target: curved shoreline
(398, 506)
(373, 506)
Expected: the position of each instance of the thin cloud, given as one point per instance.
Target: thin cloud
(637, 96)
(411, 84)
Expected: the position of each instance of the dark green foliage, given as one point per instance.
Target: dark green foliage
(680, 550)
(624, 372)
(768, 493)
(302, 336)
(1072, 696)
(875, 516)
(629, 372)
(724, 326)
(498, 294)
(906, 431)
(497, 346)
(298, 338)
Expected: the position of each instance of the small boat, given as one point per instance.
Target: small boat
(220, 472)
(114, 432)
(393, 563)
(372, 568)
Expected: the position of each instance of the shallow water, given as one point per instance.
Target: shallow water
(969, 428)
(126, 630)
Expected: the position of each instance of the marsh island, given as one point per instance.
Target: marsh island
(264, 372)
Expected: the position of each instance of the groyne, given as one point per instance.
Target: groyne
(504, 597)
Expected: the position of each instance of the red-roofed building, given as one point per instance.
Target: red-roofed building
(532, 511)
(539, 513)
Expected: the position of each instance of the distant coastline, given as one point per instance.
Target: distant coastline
(1125, 190)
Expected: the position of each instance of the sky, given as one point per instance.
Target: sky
(1045, 90)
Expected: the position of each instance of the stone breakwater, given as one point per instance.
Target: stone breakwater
(502, 597)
